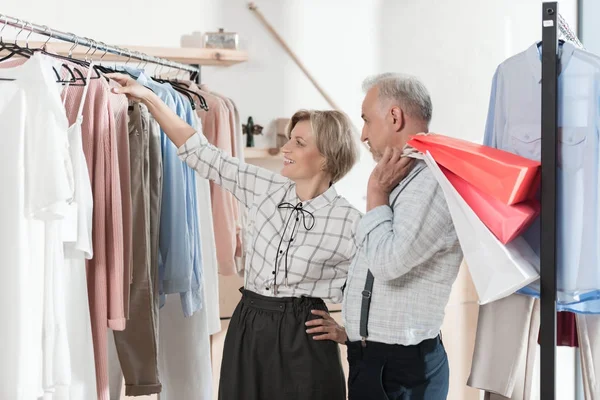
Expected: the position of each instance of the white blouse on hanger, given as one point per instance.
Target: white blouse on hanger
(37, 181)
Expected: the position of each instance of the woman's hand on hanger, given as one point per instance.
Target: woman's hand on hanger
(130, 87)
(176, 129)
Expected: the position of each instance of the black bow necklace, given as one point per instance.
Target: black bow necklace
(308, 220)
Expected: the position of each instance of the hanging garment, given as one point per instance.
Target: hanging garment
(566, 330)
(185, 363)
(215, 126)
(237, 151)
(241, 260)
(210, 266)
(184, 366)
(137, 345)
(37, 178)
(75, 375)
(192, 296)
(505, 347)
(209, 252)
(513, 124)
(119, 105)
(179, 255)
(105, 272)
(156, 183)
(588, 327)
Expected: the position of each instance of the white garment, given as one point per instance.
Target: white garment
(75, 374)
(115, 373)
(210, 268)
(184, 343)
(184, 353)
(37, 182)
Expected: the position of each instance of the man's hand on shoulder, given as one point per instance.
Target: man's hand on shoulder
(388, 172)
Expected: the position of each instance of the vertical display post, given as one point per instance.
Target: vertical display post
(548, 201)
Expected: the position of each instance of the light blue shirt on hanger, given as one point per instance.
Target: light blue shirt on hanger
(514, 125)
(179, 240)
(191, 294)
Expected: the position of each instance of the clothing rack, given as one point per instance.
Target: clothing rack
(194, 70)
(549, 135)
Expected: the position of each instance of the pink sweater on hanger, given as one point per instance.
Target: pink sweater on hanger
(106, 271)
(215, 126)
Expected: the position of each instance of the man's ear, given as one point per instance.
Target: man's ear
(397, 118)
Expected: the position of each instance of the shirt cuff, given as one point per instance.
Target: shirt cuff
(196, 141)
(117, 324)
(372, 219)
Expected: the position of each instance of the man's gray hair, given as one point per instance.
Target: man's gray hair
(405, 91)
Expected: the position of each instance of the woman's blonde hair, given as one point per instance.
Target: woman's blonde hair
(334, 137)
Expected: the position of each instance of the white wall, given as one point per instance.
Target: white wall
(453, 46)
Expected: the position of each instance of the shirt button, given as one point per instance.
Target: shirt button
(273, 272)
(297, 219)
(280, 251)
(266, 288)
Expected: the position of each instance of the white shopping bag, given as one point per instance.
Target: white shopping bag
(497, 270)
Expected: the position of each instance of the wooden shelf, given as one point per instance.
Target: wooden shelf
(253, 153)
(184, 55)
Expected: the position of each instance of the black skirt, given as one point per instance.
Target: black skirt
(269, 356)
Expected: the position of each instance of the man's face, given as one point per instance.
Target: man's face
(378, 129)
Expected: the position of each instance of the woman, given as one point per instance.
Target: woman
(301, 242)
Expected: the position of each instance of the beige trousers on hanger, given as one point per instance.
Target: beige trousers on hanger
(588, 330)
(505, 348)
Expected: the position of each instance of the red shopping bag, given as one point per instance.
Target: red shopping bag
(503, 175)
(504, 221)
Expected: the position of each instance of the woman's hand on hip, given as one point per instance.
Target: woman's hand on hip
(326, 327)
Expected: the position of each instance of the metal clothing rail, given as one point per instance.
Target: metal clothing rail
(92, 44)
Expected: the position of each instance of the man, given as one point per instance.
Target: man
(400, 280)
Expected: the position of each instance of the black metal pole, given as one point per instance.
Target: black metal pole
(548, 202)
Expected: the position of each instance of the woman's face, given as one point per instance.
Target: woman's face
(302, 159)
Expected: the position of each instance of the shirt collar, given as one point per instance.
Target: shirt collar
(566, 51)
(316, 203)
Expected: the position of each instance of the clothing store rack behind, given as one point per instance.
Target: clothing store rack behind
(548, 200)
(183, 59)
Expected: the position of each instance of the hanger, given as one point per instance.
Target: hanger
(27, 52)
(201, 99)
(82, 63)
(186, 93)
(185, 90)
